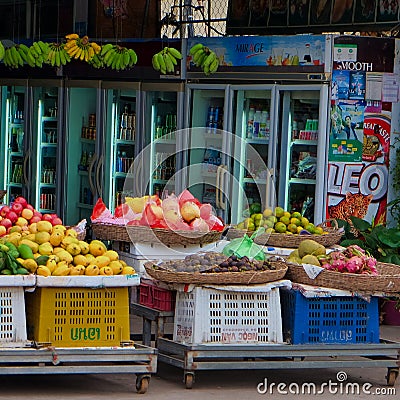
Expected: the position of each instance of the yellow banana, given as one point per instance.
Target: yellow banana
(72, 36)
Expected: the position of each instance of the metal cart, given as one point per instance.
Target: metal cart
(199, 357)
(138, 359)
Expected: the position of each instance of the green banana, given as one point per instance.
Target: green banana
(210, 58)
(195, 48)
(161, 61)
(2, 50)
(197, 55)
(168, 63)
(214, 65)
(106, 48)
(155, 63)
(175, 53)
(133, 57)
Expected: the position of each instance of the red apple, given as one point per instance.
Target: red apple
(30, 207)
(56, 221)
(12, 216)
(22, 201)
(3, 230)
(27, 213)
(17, 208)
(37, 213)
(34, 219)
(6, 223)
(4, 210)
(47, 217)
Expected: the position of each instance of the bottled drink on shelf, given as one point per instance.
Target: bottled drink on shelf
(118, 167)
(256, 124)
(263, 123)
(250, 122)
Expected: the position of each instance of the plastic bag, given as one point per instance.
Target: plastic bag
(245, 246)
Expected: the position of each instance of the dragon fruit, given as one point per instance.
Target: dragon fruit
(352, 259)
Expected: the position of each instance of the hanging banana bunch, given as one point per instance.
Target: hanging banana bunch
(38, 54)
(118, 57)
(204, 58)
(2, 50)
(166, 60)
(58, 55)
(80, 48)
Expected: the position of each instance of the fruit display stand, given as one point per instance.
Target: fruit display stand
(199, 342)
(80, 325)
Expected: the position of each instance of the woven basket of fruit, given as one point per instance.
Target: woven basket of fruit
(350, 268)
(144, 234)
(216, 268)
(387, 280)
(331, 234)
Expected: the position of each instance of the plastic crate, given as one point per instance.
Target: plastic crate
(156, 297)
(335, 319)
(77, 317)
(12, 317)
(213, 316)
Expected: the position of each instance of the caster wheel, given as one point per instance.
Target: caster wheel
(391, 377)
(142, 385)
(189, 380)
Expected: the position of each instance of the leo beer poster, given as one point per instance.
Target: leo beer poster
(358, 180)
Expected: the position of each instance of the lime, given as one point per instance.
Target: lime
(272, 218)
(267, 212)
(292, 228)
(269, 223)
(279, 212)
(304, 222)
(285, 219)
(287, 214)
(280, 227)
(295, 221)
(310, 228)
(296, 214)
(318, 230)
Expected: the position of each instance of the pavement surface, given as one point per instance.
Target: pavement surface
(230, 385)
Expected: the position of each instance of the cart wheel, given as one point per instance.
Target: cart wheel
(142, 384)
(391, 376)
(189, 380)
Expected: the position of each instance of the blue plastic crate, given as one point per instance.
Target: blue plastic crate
(336, 319)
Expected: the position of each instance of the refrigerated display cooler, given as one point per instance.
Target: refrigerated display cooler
(14, 140)
(207, 145)
(162, 108)
(265, 103)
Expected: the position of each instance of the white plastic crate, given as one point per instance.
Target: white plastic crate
(215, 316)
(12, 317)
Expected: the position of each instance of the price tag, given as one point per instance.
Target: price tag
(312, 270)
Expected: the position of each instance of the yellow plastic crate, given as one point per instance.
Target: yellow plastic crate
(78, 317)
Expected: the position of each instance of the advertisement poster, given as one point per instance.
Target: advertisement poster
(304, 16)
(357, 189)
(346, 134)
(358, 167)
(265, 51)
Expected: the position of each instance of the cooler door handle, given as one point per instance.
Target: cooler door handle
(217, 205)
(25, 177)
(98, 178)
(222, 202)
(90, 170)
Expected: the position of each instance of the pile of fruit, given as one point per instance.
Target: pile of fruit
(280, 221)
(41, 244)
(183, 213)
(212, 262)
(352, 259)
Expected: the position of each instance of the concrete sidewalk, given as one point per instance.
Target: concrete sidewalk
(168, 383)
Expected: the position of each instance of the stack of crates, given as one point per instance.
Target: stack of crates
(153, 296)
(334, 319)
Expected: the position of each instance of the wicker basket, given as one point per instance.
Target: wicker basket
(144, 234)
(333, 236)
(388, 280)
(219, 278)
